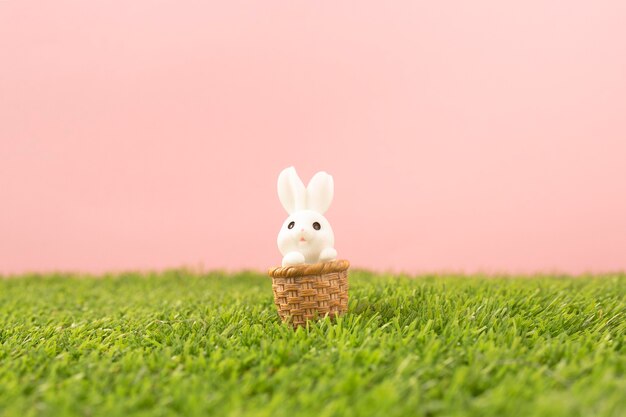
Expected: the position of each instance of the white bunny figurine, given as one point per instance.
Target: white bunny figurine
(306, 235)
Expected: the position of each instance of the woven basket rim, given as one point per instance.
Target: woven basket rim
(320, 268)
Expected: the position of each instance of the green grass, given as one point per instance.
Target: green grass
(179, 343)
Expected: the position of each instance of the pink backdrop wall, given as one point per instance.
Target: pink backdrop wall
(482, 135)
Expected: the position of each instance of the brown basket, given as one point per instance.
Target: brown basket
(308, 292)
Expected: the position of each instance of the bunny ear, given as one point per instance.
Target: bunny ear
(291, 191)
(319, 192)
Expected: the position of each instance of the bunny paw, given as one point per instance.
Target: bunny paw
(293, 258)
(328, 254)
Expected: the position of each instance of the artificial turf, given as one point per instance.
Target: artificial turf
(192, 344)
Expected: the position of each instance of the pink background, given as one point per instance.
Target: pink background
(466, 136)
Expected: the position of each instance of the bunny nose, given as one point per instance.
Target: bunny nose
(302, 230)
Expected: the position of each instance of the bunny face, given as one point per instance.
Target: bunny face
(306, 235)
(307, 232)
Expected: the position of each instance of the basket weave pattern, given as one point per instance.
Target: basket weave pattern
(307, 292)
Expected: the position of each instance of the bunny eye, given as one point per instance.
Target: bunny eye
(316, 226)
(291, 225)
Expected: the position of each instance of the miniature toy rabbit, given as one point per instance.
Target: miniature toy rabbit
(306, 235)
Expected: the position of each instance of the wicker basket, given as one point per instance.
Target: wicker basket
(308, 292)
